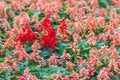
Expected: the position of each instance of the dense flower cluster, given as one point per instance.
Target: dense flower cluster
(26, 35)
(49, 39)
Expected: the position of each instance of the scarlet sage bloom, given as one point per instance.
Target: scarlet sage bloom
(49, 39)
(63, 26)
(27, 35)
(46, 24)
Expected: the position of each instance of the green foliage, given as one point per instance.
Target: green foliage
(22, 66)
(46, 53)
(84, 49)
(62, 46)
(28, 47)
(117, 10)
(118, 50)
(43, 73)
(7, 74)
(99, 30)
(3, 35)
(103, 3)
(63, 14)
(115, 77)
(78, 68)
(40, 14)
(100, 44)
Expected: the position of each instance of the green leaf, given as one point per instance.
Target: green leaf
(118, 50)
(107, 18)
(84, 49)
(93, 78)
(10, 20)
(43, 73)
(115, 77)
(117, 10)
(103, 3)
(28, 47)
(99, 44)
(1, 45)
(99, 30)
(2, 79)
(77, 69)
(63, 14)
(62, 46)
(30, 13)
(8, 10)
(3, 35)
(21, 67)
(45, 53)
(41, 15)
(2, 59)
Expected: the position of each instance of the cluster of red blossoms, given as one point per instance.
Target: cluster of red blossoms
(63, 26)
(46, 24)
(27, 35)
(49, 39)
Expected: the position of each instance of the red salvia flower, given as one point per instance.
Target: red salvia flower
(49, 40)
(63, 26)
(46, 24)
(27, 35)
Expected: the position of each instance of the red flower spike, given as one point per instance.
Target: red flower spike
(27, 35)
(46, 24)
(49, 40)
(63, 26)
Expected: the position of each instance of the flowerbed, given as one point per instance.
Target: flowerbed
(59, 40)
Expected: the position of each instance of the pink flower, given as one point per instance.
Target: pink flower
(59, 76)
(15, 63)
(78, 27)
(20, 52)
(66, 78)
(113, 23)
(93, 59)
(66, 56)
(35, 55)
(102, 12)
(81, 62)
(101, 21)
(16, 4)
(53, 59)
(25, 18)
(69, 65)
(34, 1)
(27, 76)
(86, 73)
(91, 23)
(94, 3)
(5, 66)
(113, 65)
(104, 74)
(2, 11)
(116, 39)
(75, 76)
